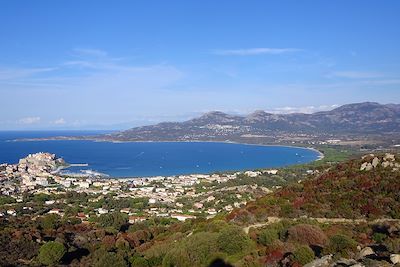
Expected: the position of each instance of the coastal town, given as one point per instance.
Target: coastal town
(179, 197)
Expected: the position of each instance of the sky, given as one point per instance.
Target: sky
(118, 64)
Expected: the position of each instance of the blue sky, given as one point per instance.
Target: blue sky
(116, 64)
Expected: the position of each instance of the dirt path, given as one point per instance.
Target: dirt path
(271, 220)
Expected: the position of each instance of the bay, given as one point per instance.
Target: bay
(144, 159)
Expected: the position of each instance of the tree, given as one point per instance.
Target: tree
(115, 220)
(51, 253)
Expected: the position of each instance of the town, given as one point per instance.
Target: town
(178, 197)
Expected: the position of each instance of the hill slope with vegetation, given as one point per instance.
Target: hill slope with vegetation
(366, 189)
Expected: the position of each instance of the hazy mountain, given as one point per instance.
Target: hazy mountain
(362, 118)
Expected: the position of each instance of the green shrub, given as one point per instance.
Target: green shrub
(232, 240)
(106, 259)
(51, 253)
(194, 250)
(50, 221)
(267, 236)
(378, 237)
(137, 261)
(303, 255)
(341, 244)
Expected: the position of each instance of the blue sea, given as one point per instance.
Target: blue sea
(143, 159)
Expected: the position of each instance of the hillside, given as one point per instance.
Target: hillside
(366, 188)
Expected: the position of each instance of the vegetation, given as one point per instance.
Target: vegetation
(51, 253)
(335, 191)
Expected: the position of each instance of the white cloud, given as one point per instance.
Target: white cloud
(59, 121)
(29, 120)
(305, 109)
(90, 52)
(15, 73)
(356, 74)
(255, 51)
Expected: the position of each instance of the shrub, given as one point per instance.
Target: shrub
(341, 244)
(115, 220)
(51, 253)
(106, 259)
(267, 236)
(303, 255)
(307, 234)
(139, 262)
(232, 240)
(378, 237)
(194, 250)
(51, 221)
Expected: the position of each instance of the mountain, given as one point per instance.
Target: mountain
(367, 118)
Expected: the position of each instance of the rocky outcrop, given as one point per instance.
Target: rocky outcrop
(388, 160)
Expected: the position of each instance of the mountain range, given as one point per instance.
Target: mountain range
(366, 118)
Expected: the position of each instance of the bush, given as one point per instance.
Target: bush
(139, 262)
(106, 259)
(307, 234)
(267, 236)
(342, 245)
(303, 255)
(51, 253)
(51, 221)
(232, 240)
(115, 220)
(194, 250)
(378, 237)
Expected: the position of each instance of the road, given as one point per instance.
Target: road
(271, 220)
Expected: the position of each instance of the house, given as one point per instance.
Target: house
(54, 211)
(198, 205)
(11, 212)
(136, 219)
(271, 172)
(125, 210)
(102, 211)
(182, 217)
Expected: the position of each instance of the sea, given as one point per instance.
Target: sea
(146, 159)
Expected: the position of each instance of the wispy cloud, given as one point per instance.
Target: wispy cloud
(59, 121)
(305, 109)
(29, 120)
(15, 73)
(90, 52)
(356, 74)
(255, 51)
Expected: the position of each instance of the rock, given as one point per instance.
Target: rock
(365, 252)
(363, 166)
(389, 157)
(375, 162)
(322, 262)
(345, 262)
(369, 167)
(385, 164)
(395, 258)
(358, 265)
